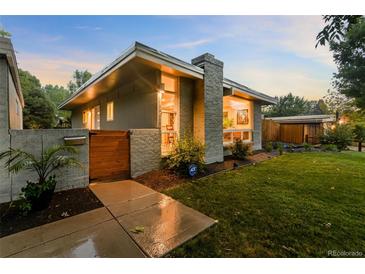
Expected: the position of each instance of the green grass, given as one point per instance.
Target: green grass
(281, 208)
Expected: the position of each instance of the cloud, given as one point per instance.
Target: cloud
(281, 81)
(190, 44)
(55, 69)
(295, 35)
(50, 39)
(92, 28)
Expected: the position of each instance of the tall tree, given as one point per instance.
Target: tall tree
(336, 28)
(288, 105)
(39, 112)
(57, 94)
(79, 77)
(346, 37)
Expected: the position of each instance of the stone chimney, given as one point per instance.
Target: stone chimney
(213, 106)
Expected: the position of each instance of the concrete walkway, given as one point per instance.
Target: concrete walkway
(135, 222)
(92, 234)
(156, 222)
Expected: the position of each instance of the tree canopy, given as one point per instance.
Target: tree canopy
(290, 105)
(79, 77)
(346, 37)
(39, 111)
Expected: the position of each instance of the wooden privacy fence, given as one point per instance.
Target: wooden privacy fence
(291, 133)
(270, 131)
(109, 155)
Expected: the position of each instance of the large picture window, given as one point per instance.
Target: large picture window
(168, 112)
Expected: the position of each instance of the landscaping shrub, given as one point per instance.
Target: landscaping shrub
(341, 136)
(187, 151)
(280, 148)
(307, 147)
(291, 147)
(329, 147)
(241, 150)
(268, 147)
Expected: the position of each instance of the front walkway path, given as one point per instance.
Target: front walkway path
(91, 234)
(135, 222)
(156, 222)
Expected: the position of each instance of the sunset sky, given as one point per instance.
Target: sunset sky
(272, 54)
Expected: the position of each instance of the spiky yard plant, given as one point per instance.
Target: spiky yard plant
(51, 159)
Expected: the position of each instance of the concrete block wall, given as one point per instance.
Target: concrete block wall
(4, 175)
(257, 130)
(213, 106)
(145, 150)
(31, 141)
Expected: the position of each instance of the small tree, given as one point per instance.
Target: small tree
(340, 135)
(359, 134)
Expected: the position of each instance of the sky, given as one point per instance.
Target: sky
(271, 54)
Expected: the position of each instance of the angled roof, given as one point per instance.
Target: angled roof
(145, 52)
(304, 119)
(6, 49)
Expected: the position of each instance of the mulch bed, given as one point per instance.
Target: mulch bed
(67, 203)
(163, 179)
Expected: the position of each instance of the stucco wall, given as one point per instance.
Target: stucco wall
(15, 108)
(31, 141)
(257, 130)
(186, 106)
(145, 150)
(135, 105)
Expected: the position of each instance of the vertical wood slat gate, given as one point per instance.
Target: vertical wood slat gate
(109, 155)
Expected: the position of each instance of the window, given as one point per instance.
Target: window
(110, 111)
(17, 107)
(84, 117)
(91, 118)
(168, 112)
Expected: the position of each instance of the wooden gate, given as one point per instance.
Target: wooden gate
(109, 155)
(312, 133)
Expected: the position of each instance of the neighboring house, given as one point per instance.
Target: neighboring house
(11, 98)
(148, 89)
(297, 129)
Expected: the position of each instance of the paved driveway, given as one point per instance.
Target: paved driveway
(135, 222)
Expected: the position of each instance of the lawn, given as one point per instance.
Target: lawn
(295, 205)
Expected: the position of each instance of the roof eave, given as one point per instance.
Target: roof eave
(265, 99)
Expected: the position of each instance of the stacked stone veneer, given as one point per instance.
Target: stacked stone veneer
(213, 106)
(145, 150)
(31, 141)
(257, 130)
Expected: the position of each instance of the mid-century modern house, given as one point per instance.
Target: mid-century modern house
(148, 89)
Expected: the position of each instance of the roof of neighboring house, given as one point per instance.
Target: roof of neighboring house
(7, 50)
(151, 54)
(325, 118)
